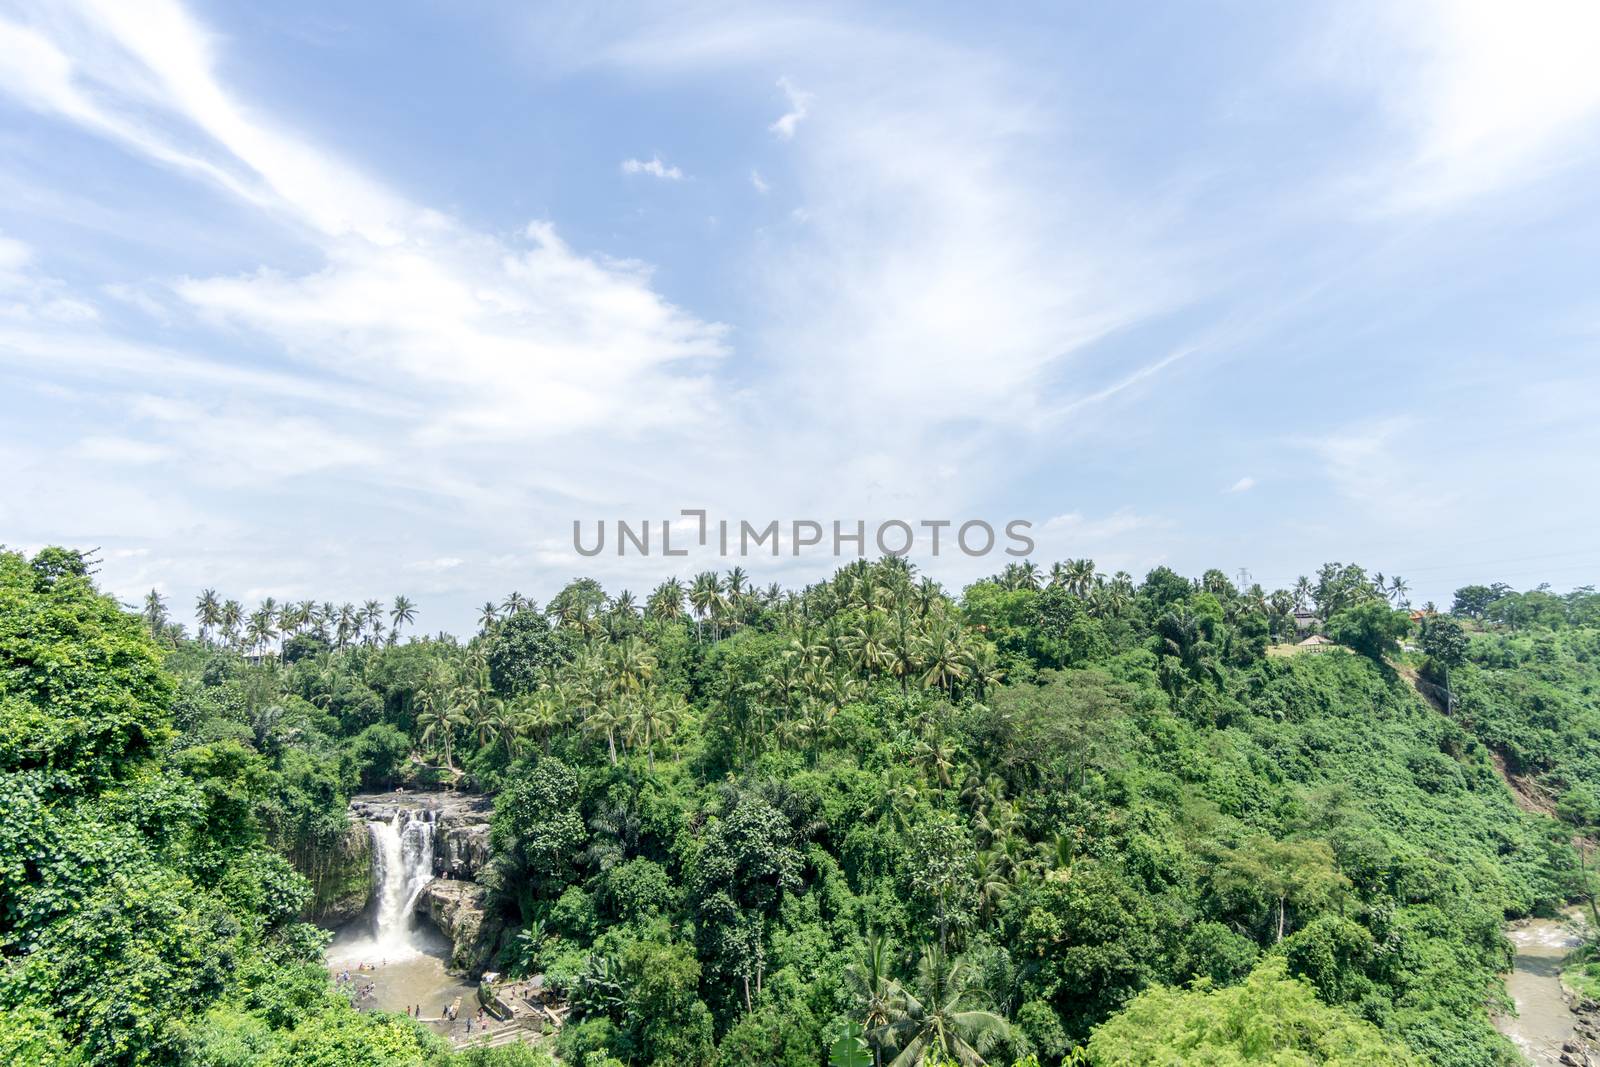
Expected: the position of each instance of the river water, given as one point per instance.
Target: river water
(1543, 1022)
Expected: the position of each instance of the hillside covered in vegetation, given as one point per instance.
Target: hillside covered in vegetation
(1060, 818)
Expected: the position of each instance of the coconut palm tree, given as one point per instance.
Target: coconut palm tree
(781, 680)
(515, 602)
(621, 616)
(263, 627)
(289, 620)
(935, 1020)
(1024, 575)
(439, 719)
(207, 613)
(1302, 593)
(402, 613)
(483, 713)
(982, 665)
(1080, 576)
(577, 606)
(155, 612)
(488, 615)
(897, 798)
(810, 727)
(1183, 636)
(937, 757)
(1280, 612)
(607, 718)
(942, 660)
(348, 625)
(324, 617)
(542, 712)
(231, 618)
(903, 647)
(706, 600)
(737, 579)
(666, 601)
(871, 645)
(810, 647)
(989, 873)
(871, 986)
(654, 719)
(371, 617)
(631, 665)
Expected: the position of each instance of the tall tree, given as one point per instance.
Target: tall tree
(666, 601)
(372, 613)
(439, 716)
(155, 612)
(207, 613)
(402, 613)
(872, 987)
(937, 1020)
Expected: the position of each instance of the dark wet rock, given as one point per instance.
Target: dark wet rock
(435, 806)
(462, 850)
(461, 833)
(340, 873)
(459, 909)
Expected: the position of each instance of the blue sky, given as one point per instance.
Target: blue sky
(340, 301)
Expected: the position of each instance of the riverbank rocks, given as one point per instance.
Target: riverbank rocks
(458, 908)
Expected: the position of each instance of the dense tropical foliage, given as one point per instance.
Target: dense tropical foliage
(1063, 817)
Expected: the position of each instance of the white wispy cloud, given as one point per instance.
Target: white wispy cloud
(515, 338)
(123, 450)
(442, 563)
(799, 107)
(429, 368)
(1243, 485)
(759, 182)
(1122, 539)
(1484, 95)
(28, 296)
(938, 290)
(653, 167)
(126, 70)
(14, 257)
(1368, 463)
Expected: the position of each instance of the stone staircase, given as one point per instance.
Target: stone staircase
(513, 1032)
(520, 1013)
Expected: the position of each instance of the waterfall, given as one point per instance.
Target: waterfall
(402, 856)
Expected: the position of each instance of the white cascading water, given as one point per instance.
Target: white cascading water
(402, 850)
(392, 959)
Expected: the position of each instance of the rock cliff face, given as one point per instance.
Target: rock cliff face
(457, 908)
(340, 874)
(463, 844)
(461, 834)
